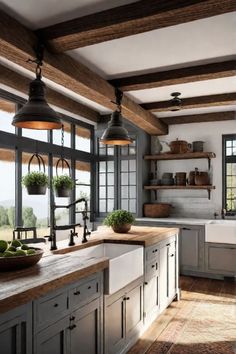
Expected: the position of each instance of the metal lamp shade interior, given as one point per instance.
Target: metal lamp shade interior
(36, 113)
(116, 134)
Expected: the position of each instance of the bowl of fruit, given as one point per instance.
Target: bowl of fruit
(15, 255)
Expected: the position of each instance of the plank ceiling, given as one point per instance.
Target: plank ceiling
(185, 46)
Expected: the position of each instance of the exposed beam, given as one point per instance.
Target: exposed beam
(134, 18)
(194, 102)
(7, 106)
(21, 83)
(200, 118)
(177, 76)
(16, 45)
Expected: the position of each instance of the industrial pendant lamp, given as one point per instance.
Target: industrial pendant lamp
(175, 102)
(116, 134)
(36, 113)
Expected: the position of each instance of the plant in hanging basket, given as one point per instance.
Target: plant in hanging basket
(35, 182)
(63, 185)
(120, 220)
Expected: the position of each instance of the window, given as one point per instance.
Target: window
(229, 173)
(128, 185)
(82, 139)
(106, 186)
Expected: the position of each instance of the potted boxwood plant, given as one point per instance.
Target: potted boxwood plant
(120, 220)
(35, 182)
(63, 185)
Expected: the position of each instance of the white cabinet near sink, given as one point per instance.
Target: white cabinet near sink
(221, 231)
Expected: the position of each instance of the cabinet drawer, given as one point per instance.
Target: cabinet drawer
(151, 268)
(84, 293)
(48, 310)
(151, 253)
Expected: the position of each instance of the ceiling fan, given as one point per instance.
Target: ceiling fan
(175, 102)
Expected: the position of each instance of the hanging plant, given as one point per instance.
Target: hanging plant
(36, 182)
(63, 184)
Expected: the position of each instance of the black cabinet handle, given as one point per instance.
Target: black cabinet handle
(72, 318)
(168, 244)
(153, 266)
(89, 287)
(154, 251)
(55, 305)
(186, 228)
(72, 327)
(127, 298)
(77, 293)
(172, 255)
(146, 283)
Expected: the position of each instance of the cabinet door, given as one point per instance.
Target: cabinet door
(115, 326)
(191, 249)
(134, 311)
(16, 331)
(151, 299)
(171, 271)
(221, 259)
(54, 339)
(163, 278)
(85, 332)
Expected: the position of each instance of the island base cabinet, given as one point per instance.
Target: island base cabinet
(85, 333)
(16, 331)
(123, 319)
(151, 299)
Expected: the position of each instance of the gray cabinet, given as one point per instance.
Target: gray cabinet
(16, 331)
(69, 319)
(151, 299)
(191, 241)
(123, 318)
(220, 259)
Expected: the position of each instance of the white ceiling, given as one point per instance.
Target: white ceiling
(198, 42)
(41, 13)
(185, 112)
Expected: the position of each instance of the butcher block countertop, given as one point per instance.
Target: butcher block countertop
(59, 269)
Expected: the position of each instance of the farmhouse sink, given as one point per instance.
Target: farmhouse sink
(125, 263)
(221, 231)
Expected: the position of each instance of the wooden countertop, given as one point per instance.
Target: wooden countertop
(59, 269)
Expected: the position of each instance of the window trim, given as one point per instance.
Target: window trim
(226, 159)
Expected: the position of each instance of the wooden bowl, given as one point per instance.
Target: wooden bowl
(19, 262)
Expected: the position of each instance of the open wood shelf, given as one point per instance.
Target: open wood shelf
(208, 188)
(187, 155)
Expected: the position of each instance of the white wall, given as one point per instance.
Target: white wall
(192, 203)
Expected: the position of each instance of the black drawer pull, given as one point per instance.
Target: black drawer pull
(186, 228)
(154, 251)
(168, 244)
(89, 287)
(172, 255)
(146, 283)
(55, 305)
(77, 293)
(126, 298)
(153, 266)
(72, 327)
(72, 318)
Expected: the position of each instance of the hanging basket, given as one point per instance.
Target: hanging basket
(36, 182)
(63, 184)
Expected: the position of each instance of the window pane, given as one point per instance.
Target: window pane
(110, 192)
(124, 165)
(102, 166)
(102, 206)
(7, 195)
(41, 135)
(102, 179)
(67, 135)
(132, 205)
(7, 112)
(35, 209)
(102, 192)
(125, 204)
(132, 191)
(132, 165)
(110, 179)
(124, 179)
(132, 178)
(110, 205)
(110, 166)
(82, 139)
(125, 192)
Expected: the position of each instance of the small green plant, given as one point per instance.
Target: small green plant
(64, 181)
(119, 217)
(35, 179)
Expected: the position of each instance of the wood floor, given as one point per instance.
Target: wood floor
(202, 322)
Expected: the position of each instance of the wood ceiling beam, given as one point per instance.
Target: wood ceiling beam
(194, 102)
(16, 45)
(176, 76)
(130, 19)
(200, 118)
(21, 83)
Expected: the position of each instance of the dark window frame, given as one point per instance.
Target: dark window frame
(226, 159)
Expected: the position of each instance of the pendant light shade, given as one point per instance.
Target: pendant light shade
(36, 113)
(176, 102)
(116, 133)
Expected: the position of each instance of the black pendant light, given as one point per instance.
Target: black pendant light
(116, 134)
(175, 102)
(36, 113)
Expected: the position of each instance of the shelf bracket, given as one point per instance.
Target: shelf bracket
(209, 163)
(209, 194)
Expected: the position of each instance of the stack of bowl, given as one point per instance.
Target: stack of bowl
(167, 179)
(180, 178)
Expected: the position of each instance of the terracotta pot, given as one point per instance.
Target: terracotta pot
(202, 179)
(35, 189)
(157, 210)
(179, 146)
(121, 229)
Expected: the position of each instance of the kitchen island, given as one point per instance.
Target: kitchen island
(52, 306)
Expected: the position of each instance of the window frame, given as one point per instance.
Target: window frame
(226, 159)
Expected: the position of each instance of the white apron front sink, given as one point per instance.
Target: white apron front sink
(221, 231)
(125, 263)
